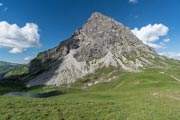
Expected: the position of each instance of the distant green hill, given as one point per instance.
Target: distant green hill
(22, 69)
(12, 69)
(6, 66)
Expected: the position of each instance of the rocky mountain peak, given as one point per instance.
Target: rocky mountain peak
(96, 16)
(100, 42)
(98, 22)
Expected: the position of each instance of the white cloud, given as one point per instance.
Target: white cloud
(151, 33)
(18, 39)
(166, 40)
(16, 50)
(163, 43)
(174, 55)
(133, 1)
(28, 58)
(1, 4)
(156, 46)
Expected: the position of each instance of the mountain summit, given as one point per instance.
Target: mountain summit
(101, 42)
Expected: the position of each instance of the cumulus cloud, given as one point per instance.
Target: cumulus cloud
(133, 1)
(28, 58)
(151, 33)
(16, 50)
(18, 39)
(173, 55)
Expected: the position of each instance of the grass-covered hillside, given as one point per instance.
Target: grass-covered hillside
(5, 67)
(153, 94)
(20, 70)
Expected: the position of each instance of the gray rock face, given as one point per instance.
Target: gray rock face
(101, 34)
(101, 42)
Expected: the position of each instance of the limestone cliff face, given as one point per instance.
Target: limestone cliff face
(101, 42)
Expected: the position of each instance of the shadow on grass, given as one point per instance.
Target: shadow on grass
(35, 95)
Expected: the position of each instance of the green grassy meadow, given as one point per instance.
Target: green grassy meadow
(148, 95)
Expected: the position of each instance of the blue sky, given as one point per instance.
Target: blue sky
(42, 24)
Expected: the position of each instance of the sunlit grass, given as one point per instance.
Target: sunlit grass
(147, 95)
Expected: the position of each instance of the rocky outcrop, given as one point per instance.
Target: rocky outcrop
(101, 42)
